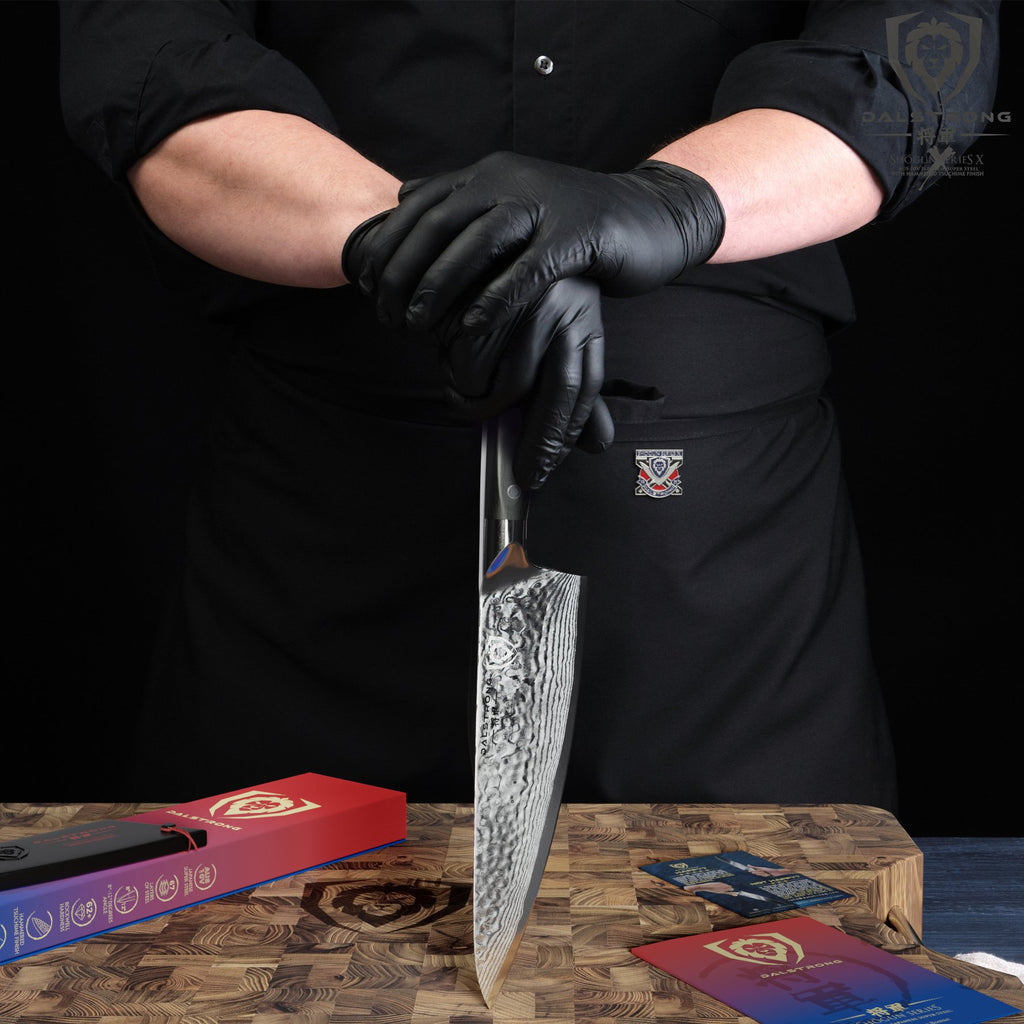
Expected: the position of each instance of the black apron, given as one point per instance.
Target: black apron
(327, 620)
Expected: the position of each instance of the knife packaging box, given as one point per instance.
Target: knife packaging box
(252, 836)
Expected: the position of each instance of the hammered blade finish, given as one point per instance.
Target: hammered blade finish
(526, 677)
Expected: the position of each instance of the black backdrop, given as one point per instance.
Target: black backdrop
(107, 383)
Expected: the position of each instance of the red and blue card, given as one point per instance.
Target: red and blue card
(798, 970)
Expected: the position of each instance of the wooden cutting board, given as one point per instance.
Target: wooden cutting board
(388, 936)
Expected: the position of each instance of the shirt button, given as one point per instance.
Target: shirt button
(543, 65)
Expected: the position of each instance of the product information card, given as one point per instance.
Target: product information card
(800, 970)
(745, 884)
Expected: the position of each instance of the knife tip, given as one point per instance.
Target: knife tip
(490, 976)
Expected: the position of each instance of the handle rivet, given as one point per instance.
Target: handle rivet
(514, 492)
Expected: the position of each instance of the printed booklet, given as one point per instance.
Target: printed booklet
(745, 884)
(799, 971)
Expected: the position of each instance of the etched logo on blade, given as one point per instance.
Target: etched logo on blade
(658, 475)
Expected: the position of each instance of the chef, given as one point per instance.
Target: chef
(616, 216)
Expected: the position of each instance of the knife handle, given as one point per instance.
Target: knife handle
(504, 504)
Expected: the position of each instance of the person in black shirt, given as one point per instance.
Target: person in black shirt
(326, 620)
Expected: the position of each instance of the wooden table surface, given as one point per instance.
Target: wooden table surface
(388, 935)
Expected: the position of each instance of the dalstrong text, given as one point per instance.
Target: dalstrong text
(935, 116)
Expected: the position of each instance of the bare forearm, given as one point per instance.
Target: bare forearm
(784, 182)
(266, 195)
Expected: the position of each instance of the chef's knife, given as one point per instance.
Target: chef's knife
(527, 679)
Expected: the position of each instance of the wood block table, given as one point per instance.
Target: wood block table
(388, 936)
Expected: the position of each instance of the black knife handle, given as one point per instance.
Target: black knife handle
(504, 499)
(504, 504)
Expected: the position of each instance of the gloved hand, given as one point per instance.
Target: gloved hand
(492, 237)
(548, 357)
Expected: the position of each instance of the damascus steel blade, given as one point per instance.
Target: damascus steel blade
(527, 677)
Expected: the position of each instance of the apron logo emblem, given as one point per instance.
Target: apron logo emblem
(659, 473)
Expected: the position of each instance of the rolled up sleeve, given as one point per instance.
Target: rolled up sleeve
(134, 72)
(905, 86)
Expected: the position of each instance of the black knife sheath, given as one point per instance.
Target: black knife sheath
(82, 849)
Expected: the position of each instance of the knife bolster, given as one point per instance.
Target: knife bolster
(498, 534)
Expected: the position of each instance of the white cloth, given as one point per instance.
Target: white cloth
(993, 963)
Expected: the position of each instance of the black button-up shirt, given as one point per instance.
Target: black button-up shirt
(420, 87)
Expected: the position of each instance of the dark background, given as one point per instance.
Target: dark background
(107, 382)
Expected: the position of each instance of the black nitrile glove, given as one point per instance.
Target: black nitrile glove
(359, 246)
(493, 236)
(547, 357)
